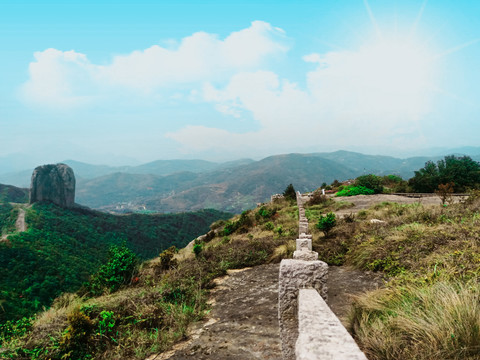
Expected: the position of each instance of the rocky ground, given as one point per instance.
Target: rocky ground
(362, 202)
(243, 323)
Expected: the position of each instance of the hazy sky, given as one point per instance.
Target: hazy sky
(104, 81)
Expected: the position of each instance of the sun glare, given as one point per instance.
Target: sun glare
(396, 67)
(397, 70)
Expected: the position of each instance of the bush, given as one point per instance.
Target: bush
(14, 328)
(370, 181)
(76, 338)
(269, 226)
(265, 213)
(118, 271)
(444, 192)
(241, 225)
(327, 223)
(167, 260)
(197, 249)
(355, 190)
(318, 198)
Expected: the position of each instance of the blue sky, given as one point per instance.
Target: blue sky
(123, 81)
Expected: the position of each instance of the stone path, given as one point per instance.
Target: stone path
(243, 322)
(20, 223)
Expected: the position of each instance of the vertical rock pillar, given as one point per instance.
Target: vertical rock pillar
(296, 274)
(54, 183)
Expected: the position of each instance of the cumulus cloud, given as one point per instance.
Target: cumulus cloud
(69, 78)
(60, 78)
(350, 98)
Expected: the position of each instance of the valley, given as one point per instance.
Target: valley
(170, 186)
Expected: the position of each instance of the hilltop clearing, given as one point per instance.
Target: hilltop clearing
(354, 204)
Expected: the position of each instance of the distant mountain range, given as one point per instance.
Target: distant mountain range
(187, 185)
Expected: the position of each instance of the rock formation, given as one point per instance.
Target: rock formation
(54, 183)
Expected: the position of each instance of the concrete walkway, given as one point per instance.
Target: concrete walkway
(243, 323)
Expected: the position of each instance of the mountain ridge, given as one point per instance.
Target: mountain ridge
(182, 185)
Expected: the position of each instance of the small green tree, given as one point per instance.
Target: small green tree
(197, 249)
(290, 193)
(122, 264)
(327, 223)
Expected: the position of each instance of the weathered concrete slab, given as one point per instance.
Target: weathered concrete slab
(321, 334)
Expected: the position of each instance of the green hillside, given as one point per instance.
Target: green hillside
(232, 189)
(9, 193)
(428, 308)
(61, 248)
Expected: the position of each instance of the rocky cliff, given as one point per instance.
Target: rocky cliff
(54, 183)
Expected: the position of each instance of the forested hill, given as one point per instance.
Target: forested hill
(9, 193)
(61, 248)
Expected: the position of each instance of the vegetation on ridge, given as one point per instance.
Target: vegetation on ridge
(430, 306)
(425, 253)
(62, 247)
(153, 311)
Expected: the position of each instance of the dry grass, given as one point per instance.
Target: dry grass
(441, 321)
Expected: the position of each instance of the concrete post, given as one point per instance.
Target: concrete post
(294, 275)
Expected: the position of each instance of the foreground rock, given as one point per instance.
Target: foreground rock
(243, 323)
(54, 183)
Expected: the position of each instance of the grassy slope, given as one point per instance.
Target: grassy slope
(61, 248)
(429, 308)
(155, 310)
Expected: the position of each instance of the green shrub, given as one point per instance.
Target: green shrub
(327, 223)
(241, 225)
(118, 271)
(269, 226)
(14, 328)
(197, 249)
(353, 190)
(106, 323)
(370, 181)
(265, 213)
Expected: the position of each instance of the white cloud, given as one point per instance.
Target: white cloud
(69, 78)
(372, 95)
(61, 79)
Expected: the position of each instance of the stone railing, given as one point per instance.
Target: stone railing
(308, 328)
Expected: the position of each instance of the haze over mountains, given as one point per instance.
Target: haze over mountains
(187, 185)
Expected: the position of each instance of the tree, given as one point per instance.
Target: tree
(444, 192)
(370, 181)
(463, 172)
(290, 193)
